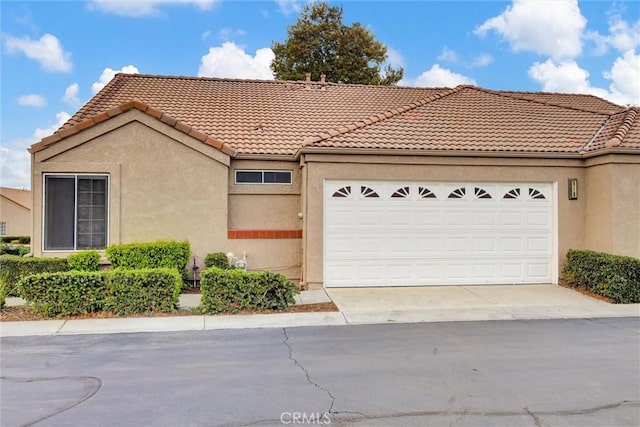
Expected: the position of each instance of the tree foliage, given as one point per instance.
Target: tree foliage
(319, 43)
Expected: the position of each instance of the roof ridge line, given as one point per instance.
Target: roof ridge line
(123, 108)
(514, 95)
(379, 117)
(15, 202)
(629, 118)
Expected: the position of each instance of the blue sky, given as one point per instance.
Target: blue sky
(57, 54)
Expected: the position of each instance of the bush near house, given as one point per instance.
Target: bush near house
(3, 294)
(116, 291)
(84, 261)
(20, 250)
(68, 293)
(162, 254)
(23, 240)
(612, 276)
(142, 291)
(217, 259)
(235, 290)
(13, 268)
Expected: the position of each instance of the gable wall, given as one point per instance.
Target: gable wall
(18, 218)
(160, 187)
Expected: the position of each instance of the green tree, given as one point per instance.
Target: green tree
(319, 43)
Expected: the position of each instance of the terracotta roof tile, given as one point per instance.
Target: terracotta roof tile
(279, 117)
(475, 119)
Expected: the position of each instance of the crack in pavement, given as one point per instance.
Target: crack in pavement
(94, 382)
(306, 373)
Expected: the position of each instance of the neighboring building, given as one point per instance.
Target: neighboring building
(345, 185)
(15, 212)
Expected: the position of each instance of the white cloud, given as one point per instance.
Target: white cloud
(625, 84)
(230, 33)
(71, 94)
(568, 77)
(108, 74)
(137, 8)
(448, 55)
(231, 61)
(61, 118)
(394, 58)
(32, 100)
(622, 36)
(547, 27)
(15, 167)
(47, 51)
(15, 161)
(482, 60)
(437, 76)
(287, 7)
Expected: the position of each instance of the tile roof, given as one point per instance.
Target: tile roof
(18, 196)
(474, 119)
(281, 117)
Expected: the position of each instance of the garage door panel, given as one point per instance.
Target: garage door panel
(433, 233)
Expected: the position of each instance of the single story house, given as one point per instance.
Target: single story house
(15, 212)
(344, 185)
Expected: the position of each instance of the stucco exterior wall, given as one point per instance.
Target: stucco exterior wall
(318, 168)
(16, 217)
(612, 222)
(268, 207)
(163, 184)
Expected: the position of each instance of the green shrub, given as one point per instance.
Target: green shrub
(116, 291)
(235, 290)
(13, 268)
(3, 294)
(19, 250)
(163, 254)
(612, 276)
(217, 259)
(23, 240)
(69, 293)
(142, 291)
(84, 261)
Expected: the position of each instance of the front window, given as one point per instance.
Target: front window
(75, 212)
(263, 177)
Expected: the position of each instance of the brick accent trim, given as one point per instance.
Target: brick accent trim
(264, 234)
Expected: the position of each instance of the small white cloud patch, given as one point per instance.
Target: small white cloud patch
(108, 74)
(47, 51)
(71, 94)
(437, 76)
(231, 61)
(32, 100)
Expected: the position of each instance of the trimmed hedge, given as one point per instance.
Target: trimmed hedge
(163, 254)
(612, 276)
(24, 240)
(117, 291)
(217, 259)
(142, 291)
(235, 290)
(69, 293)
(20, 250)
(84, 261)
(13, 268)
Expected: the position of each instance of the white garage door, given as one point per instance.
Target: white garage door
(437, 233)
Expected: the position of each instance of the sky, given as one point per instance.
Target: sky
(55, 55)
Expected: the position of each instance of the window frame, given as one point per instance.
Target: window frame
(75, 177)
(262, 172)
(3, 228)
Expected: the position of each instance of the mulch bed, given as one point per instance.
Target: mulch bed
(10, 314)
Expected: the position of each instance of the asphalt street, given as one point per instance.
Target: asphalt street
(582, 372)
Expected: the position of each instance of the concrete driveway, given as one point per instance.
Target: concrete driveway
(467, 303)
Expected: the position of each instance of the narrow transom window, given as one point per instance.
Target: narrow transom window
(458, 193)
(401, 192)
(343, 192)
(75, 212)
(367, 192)
(263, 177)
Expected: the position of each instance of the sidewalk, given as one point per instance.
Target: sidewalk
(360, 306)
